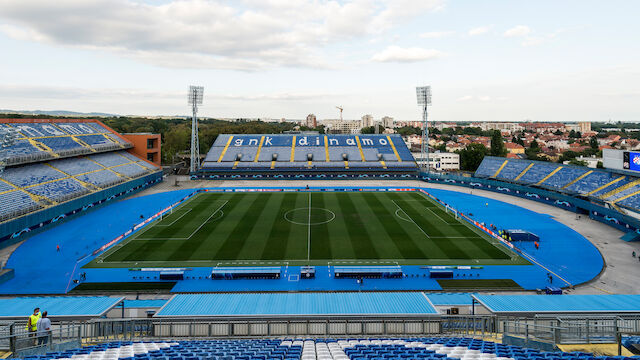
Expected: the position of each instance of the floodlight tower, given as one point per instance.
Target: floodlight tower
(424, 99)
(195, 99)
(7, 138)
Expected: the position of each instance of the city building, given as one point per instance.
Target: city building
(514, 148)
(311, 121)
(367, 121)
(337, 126)
(443, 161)
(387, 122)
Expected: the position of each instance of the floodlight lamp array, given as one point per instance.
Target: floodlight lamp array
(423, 94)
(196, 94)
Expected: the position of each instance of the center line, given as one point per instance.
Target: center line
(309, 232)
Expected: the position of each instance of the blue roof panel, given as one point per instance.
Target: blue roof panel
(560, 303)
(450, 298)
(297, 304)
(58, 306)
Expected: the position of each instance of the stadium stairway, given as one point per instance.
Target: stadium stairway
(432, 348)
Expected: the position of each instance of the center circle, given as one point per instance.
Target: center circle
(306, 216)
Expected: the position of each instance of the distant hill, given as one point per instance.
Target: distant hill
(57, 113)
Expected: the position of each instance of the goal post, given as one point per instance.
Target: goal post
(452, 211)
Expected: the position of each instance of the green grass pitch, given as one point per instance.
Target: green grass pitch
(317, 228)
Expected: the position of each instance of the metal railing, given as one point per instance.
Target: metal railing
(543, 330)
(15, 338)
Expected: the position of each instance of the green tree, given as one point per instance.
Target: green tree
(593, 142)
(497, 144)
(471, 156)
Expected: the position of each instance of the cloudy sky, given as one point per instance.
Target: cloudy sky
(507, 60)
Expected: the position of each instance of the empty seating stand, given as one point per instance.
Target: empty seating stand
(39, 140)
(432, 348)
(31, 187)
(300, 155)
(618, 188)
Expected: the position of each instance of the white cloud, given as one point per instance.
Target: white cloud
(412, 54)
(479, 30)
(483, 98)
(518, 31)
(436, 34)
(247, 35)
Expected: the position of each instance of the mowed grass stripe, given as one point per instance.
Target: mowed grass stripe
(339, 241)
(263, 222)
(374, 217)
(460, 237)
(433, 227)
(357, 230)
(320, 248)
(190, 249)
(150, 250)
(279, 233)
(476, 241)
(427, 245)
(405, 245)
(296, 244)
(243, 226)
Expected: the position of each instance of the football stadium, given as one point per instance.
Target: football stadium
(309, 246)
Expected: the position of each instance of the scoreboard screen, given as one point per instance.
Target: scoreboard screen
(631, 160)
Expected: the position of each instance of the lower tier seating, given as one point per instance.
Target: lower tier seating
(433, 348)
(27, 188)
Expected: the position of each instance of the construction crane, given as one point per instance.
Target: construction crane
(340, 108)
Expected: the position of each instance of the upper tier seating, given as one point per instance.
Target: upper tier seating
(432, 348)
(569, 179)
(30, 187)
(52, 139)
(294, 152)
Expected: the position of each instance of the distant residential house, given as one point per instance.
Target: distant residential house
(514, 148)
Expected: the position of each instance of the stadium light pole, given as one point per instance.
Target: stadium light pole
(424, 99)
(195, 99)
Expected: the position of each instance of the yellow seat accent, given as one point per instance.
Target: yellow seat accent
(383, 164)
(550, 175)
(620, 189)
(326, 147)
(394, 148)
(360, 148)
(259, 148)
(346, 164)
(273, 164)
(42, 146)
(84, 184)
(82, 143)
(500, 168)
(293, 148)
(235, 163)
(225, 148)
(605, 185)
(523, 172)
(578, 179)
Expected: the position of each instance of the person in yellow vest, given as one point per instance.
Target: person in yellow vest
(32, 323)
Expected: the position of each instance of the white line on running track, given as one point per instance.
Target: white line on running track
(416, 224)
(174, 221)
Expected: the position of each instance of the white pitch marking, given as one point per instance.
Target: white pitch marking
(174, 221)
(413, 221)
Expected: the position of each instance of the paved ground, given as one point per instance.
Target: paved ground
(621, 273)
